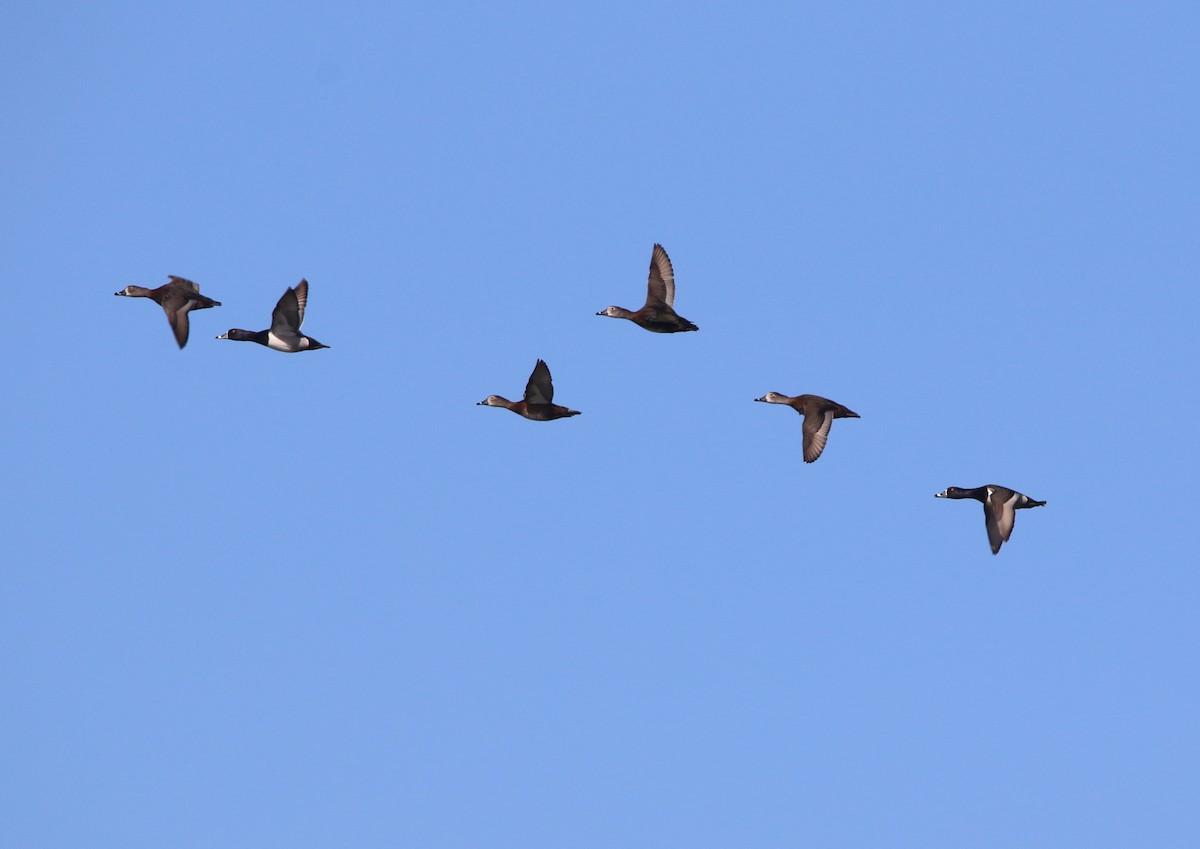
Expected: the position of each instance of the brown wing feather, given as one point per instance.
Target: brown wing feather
(177, 317)
(175, 303)
(661, 285)
(816, 432)
(183, 281)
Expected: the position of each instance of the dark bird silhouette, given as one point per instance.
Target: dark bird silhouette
(1000, 506)
(284, 333)
(658, 315)
(539, 395)
(818, 413)
(177, 298)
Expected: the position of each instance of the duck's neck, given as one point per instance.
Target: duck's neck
(979, 493)
(259, 336)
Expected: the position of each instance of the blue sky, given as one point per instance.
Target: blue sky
(252, 599)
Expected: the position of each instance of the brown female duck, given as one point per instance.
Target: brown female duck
(539, 393)
(818, 413)
(177, 297)
(658, 315)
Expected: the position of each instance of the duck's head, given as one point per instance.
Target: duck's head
(494, 401)
(953, 492)
(773, 398)
(615, 312)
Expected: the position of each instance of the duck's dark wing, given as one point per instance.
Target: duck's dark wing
(540, 388)
(301, 300)
(999, 512)
(816, 432)
(177, 303)
(660, 288)
(181, 287)
(289, 312)
(183, 281)
(179, 322)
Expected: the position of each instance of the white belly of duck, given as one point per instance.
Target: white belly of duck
(289, 343)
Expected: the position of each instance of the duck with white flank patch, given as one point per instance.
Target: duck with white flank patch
(539, 395)
(1000, 506)
(818, 413)
(177, 298)
(658, 314)
(284, 333)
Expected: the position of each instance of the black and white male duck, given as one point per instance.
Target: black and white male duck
(284, 333)
(539, 395)
(658, 315)
(818, 413)
(178, 297)
(1000, 506)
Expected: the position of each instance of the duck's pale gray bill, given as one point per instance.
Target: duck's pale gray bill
(941, 494)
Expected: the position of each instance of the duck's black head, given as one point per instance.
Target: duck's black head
(955, 492)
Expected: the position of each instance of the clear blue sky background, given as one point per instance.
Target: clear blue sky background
(251, 599)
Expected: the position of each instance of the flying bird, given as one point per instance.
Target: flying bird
(818, 413)
(177, 298)
(658, 315)
(539, 395)
(1000, 506)
(284, 333)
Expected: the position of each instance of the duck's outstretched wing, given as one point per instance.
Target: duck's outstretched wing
(289, 312)
(178, 319)
(540, 388)
(1000, 513)
(816, 432)
(660, 288)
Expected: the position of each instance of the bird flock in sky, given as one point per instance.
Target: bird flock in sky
(179, 297)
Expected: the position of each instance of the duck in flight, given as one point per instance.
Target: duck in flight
(658, 314)
(178, 297)
(818, 413)
(1000, 506)
(284, 333)
(539, 395)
